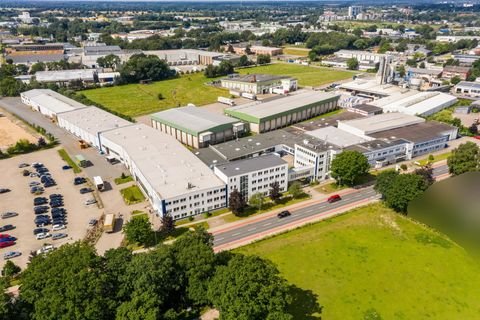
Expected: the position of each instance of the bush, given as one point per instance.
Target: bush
(431, 157)
(404, 167)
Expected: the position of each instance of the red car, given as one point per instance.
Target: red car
(334, 198)
(477, 137)
(4, 236)
(6, 244)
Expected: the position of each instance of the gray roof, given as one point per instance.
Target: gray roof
(51, 100)
(367, 108)
(65, 75)
(101, 50)
(245, 166)
(34, 58)
(193, 120)
(381, 122)
(415, 133)
(254, 112)
(468, 84)
(374, 145)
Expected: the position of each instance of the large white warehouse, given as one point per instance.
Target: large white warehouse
(87, 124)
(176, 182)
(49, 102)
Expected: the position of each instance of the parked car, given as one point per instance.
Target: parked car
(57, 227)
(59, 210)
(79, 180)
(477, 137)
(284, 214)
(92, 222)
(40, 209)
(33, 184)
(90, 201)
(37, 164)
(42, 236)
(85, 190)
(9, 214)
(26, 173)
(40, 230)
(56, 204)
(7, 239)
(334, 198)
(39, 201)
(7, 227)
(33, 175)
(7, 244)
(57, 236)
(11, 255)
(45, 249)
(55, 195)
(4, 190)
(66, 167)
(23, 165)
(4, 235)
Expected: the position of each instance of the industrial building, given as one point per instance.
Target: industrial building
(371, 89)
(254, 175)
(259, 83)
(64, 77)
(366, 110)
(88, 123)
(450, 72)
(197, 127)
(416, 103)
(49, 102)
(387, 121)
(382, 152)
(282, 112)
(314, 157)
(336, 136)
(175, 181)
(178, 57)
(467, 88)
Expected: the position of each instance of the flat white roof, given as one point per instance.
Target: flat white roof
(381, 122)
(65, 75)
(168, 166)
(93, 120)
(372, 87)
(52, 100)
(416, 103)
(336, 136)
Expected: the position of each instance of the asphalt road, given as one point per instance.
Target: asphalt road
(323, 208)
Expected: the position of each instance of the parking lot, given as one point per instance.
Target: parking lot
(20, 200)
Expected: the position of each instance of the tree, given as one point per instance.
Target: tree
(463, 159)
(274, 192)
(352, 64)
(385, 180)
(455, 80)
(249, 288)
(138, 230)
(143, 67)
(348, 166)
(10, 269)
(41, 142)
(160, 96)
(312, 55)
(257, 200)
(168, 224)
(11, 87)
(109, 61)
(263, 59)
(236, 202)
(473, 129)
(426, 172)
(243, 61)
(68, 283)
(39, 66)
(403, 189)
(401, 70)
(295, 190)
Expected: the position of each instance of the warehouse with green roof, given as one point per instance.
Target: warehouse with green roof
(282, 112)
(197, 127)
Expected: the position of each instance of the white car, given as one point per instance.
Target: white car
(42, 236)
(45, 249)
(90, 201)
(57, 227)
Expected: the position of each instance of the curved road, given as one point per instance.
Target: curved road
(260, 228)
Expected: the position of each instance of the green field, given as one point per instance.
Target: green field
(132, 195)
(374, 262)
(139, 99)
(296, 51)
(307, 76)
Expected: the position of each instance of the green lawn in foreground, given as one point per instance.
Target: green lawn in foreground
(139, 99)
(372, 261)
(307, 76)
(132, 195)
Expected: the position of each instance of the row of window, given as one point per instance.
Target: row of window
(196, 196)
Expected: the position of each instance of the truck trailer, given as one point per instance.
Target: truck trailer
(109, 223)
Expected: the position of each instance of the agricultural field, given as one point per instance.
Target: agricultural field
(140, 99)
(307, 76)
(371, 263)
(296, 51)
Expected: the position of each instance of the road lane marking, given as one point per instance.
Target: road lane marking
(219, 239)
(267, 224)
(251, 229)
(236, 234)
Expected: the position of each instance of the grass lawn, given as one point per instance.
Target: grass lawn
(64, 155)
(121, 180)
(295, 51)
(373, 261)
(307, 76)
(132, 195)
(436, 158)
(330, 188)
(139, 99)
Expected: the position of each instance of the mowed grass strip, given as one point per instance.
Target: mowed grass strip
(64, 155)
(295, 51)
(373, 261)
(307, 76)
(140, 99)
